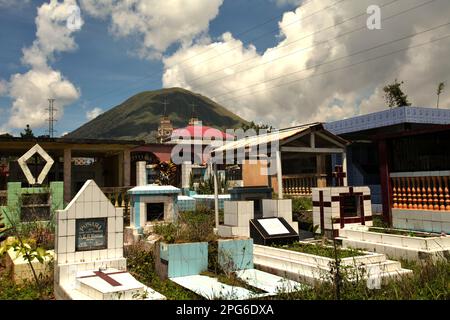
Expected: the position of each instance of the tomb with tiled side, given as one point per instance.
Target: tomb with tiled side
(89, 261)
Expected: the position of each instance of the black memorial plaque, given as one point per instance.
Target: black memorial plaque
(91, 234)
(261, 235)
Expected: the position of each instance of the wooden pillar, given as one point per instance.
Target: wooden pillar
(321, 172)
(67, 175)
(385, 181)
(120, 169)
(344, 168)
(126, 168)
(279, 175)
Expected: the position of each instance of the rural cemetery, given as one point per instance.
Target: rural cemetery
(246, 241)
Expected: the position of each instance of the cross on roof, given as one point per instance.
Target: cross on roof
(339, 175)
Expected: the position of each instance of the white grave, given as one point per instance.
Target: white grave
(89, 262)
(277, 208)
(237, 216)
(342, 205)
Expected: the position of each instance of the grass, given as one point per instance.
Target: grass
(26, 290)
(320, 250)
(429, 281)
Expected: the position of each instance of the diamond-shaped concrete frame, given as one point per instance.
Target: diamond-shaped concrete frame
(24, 166)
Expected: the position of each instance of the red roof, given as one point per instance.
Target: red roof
(201, 132)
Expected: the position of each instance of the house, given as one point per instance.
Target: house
(403, 155)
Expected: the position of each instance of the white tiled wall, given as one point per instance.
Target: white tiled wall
(90, 202)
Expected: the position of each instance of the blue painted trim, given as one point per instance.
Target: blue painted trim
(388, 118)
(137, 211)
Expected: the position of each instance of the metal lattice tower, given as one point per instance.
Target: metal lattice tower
(51, 118)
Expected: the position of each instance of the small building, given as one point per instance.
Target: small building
(107, 162)
(403, 154)
(303, 158)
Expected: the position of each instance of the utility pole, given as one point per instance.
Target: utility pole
(51, 118)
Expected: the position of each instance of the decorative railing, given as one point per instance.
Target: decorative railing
(119, 198)
(421, 190)
(299, 184)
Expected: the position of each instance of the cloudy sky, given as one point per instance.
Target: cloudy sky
(281, 62)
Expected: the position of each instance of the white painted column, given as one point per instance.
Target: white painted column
(344, 168)
(141, 173)
(279, 175)
(216, 195)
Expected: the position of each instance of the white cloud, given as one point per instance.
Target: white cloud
(30, 90)
(94, 113)
(321, 95)
(158, 23)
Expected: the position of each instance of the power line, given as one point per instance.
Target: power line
(150, 76)
(208, 84)
(334, 60)
(345, 67)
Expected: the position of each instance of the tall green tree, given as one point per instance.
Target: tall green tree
(27, 132)
(394, 95)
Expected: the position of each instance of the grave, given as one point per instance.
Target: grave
(150, 204)
(268, 231)
(276, 208)
(336, 207)
(255, 194)
(422, 246)
(36, 202)
(237, 215)
(89, 261)
(310, 269)
(20, 269)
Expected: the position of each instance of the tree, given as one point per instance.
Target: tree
(256, 127)
(27, 132)
(394, 96)
(441, 87)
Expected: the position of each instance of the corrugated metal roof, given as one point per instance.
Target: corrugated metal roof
(264, 138)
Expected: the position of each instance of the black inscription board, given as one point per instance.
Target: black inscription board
(91, 234)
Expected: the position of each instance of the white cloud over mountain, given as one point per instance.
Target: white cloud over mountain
(94, 113)
(294, 82)
(158, 23)
(30, 90)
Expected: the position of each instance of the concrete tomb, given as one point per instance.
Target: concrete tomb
(336, 207)
(89, 261)
(151, 203)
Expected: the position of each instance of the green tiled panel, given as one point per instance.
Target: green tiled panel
(239, 252)
(185, 259)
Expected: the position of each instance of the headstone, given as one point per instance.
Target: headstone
(237, 215)
(89, 261)
(267, 231)
(335, 207)
(273, 208)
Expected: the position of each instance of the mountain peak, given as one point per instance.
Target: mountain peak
(138, 117)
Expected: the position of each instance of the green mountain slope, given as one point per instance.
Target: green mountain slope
(139, 116)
